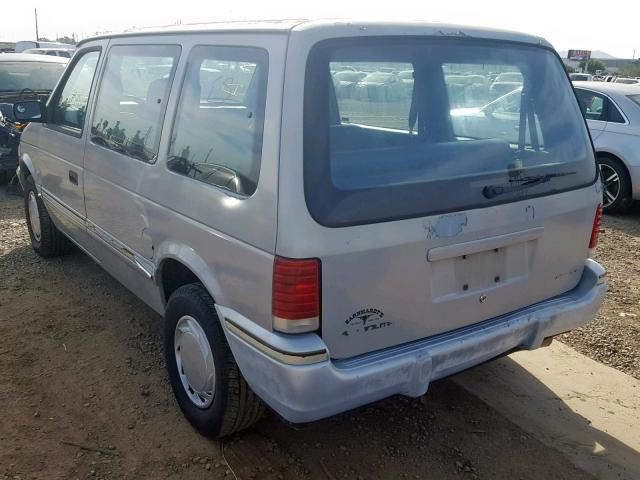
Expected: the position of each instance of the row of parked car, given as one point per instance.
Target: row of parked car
(315, 245)
(587, 77)
(397, 85)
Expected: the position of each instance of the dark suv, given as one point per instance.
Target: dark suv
(22, 77)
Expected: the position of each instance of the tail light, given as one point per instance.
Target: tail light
(296, 295)
(593, 242)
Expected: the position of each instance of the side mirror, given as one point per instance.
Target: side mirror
(29, 111)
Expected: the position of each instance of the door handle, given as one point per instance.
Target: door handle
(73, 177)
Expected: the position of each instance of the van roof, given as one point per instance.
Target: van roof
(300, 25)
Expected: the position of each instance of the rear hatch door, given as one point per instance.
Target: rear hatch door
(436, 204)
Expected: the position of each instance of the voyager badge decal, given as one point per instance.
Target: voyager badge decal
(366, 320)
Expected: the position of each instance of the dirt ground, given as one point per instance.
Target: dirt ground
(81, 369)
(613, 338)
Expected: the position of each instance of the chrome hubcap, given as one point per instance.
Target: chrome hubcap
(194, 360)
(610, 185)
(34, 216)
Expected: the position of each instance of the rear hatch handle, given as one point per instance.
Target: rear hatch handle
(483, 244)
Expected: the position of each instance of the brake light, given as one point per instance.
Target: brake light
(593, 242)
(296, 294)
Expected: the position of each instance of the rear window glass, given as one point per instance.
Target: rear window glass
(376, 98)
(613, 114)
(436, 125)
(635, 98)
(16, 76)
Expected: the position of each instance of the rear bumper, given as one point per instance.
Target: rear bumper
(295, 375)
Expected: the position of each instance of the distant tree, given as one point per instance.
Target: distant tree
(630, 69)
(569, 68)
(63, 39)
(594, 65)
(66, 39)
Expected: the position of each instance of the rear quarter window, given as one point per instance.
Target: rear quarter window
(217, 136)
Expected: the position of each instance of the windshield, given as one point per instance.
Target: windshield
(16, 76)
(433, 145)
(628, 81)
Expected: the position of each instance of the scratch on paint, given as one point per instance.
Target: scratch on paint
(530, 212)
(447, 226)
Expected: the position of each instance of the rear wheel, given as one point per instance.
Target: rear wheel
(46, 239)
(205, 378)
(616, 185)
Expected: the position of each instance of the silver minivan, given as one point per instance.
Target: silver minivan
(317, 241)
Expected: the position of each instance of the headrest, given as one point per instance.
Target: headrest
(157, 91)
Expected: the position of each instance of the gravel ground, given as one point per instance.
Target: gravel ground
(82, 369)
(613, 338)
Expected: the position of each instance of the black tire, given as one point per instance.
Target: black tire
(52, 242)
(235, 407)
(623, 198)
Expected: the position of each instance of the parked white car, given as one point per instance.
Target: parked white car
(23, 45)
(612, 111)
(54, 52)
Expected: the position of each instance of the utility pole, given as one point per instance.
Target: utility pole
(35, 11)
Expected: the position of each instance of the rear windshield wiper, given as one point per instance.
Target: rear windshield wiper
(515, 185)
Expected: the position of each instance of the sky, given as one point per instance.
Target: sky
(584, 25)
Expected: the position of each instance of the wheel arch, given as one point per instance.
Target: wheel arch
(612, 154)
(26, 169)
(179, 265)
(619, 158)
(630, 180)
